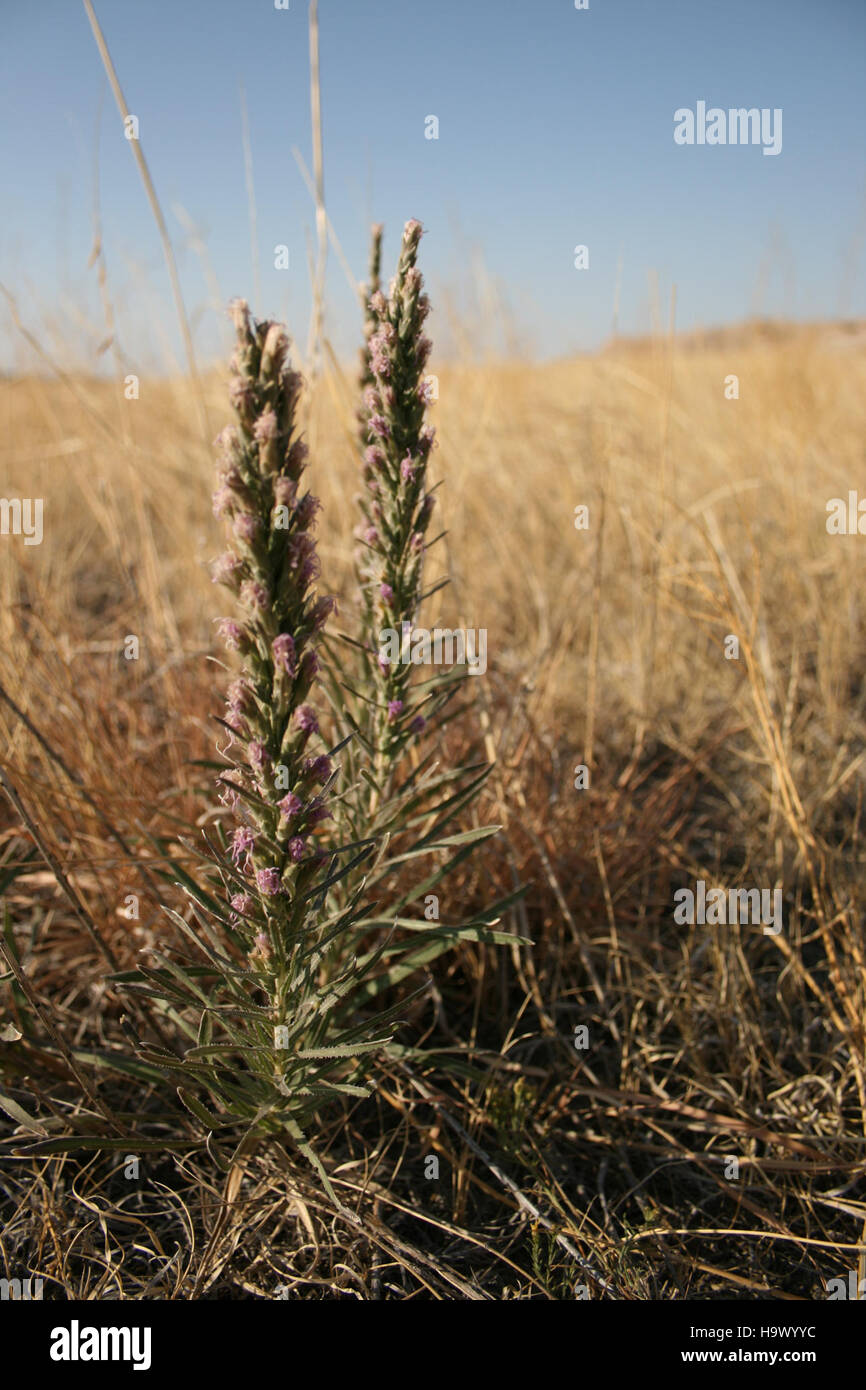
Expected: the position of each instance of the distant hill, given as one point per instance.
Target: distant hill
(840, 333)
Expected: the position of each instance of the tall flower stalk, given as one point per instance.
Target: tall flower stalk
(373, 286)
(396, 505)
(279, 1033)
(276, 783)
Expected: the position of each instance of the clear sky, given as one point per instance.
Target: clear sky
(555, 129)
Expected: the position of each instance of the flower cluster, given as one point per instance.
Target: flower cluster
(372, 288)
(275, 786)
(396, 504)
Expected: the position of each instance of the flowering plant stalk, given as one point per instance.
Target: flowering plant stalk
(397, 505)
(282, 1027)
(271, 1005)
(414, 809)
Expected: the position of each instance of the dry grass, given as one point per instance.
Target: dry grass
(707, 517)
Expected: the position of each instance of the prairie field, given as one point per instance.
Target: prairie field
(622, 1105)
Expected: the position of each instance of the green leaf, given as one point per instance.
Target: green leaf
(15, 1112)
(195, 1107)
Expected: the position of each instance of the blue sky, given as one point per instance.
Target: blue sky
(555, 129)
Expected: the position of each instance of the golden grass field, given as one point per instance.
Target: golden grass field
(606, 647)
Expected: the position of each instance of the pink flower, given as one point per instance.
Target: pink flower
(374, 456)
(268, 881)
(246, 526)
(238, 696)
(226, 439)
(387, 593)
(283, 648)
(231, 633)
(296, 847)
(290, 806)
(308, 508)
(395, 709)
(258, 755)
(223, 500)
(285, 492)
(254, 594)
(265, 428)
(310, 570)
(225, 567)
(380, 427)
(318, 768)
(298, 455)
(321, 611)
(407, 469)
(305, 719)
(380, 364)
(243, 842)
(242, 903)
(240, 395)
(300, 548)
